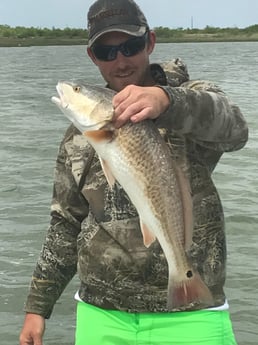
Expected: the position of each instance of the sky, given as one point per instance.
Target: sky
(167, 13)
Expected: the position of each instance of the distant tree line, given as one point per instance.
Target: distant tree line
(25, 32)
(164, 34)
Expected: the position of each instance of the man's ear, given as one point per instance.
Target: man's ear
(151, 41)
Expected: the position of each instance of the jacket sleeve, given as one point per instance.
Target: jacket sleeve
(202, 111)
(57, 262)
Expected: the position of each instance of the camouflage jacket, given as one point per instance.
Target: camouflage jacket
(95, 231)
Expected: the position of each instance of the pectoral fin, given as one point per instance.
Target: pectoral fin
(148, 237)
(108, 174)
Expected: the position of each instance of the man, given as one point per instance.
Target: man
(123, 294)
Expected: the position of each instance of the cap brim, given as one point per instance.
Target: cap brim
(127, 29)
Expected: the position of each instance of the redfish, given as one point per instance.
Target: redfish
(137, 157)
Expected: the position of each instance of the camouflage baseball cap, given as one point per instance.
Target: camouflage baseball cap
(115, 15)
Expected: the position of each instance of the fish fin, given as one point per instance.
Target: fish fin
(187, 203)
(148, 237)
(99, 135)
(108, 174)
(190, 290)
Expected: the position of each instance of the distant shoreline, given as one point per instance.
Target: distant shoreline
(190, 38)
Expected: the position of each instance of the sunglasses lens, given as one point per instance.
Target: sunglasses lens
(104, 53)
(129, 48)
(133, 46)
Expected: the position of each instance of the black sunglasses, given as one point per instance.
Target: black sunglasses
(129, 48)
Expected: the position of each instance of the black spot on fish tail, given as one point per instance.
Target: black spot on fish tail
(189, 274)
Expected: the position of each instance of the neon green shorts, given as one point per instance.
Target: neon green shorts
(97, 326)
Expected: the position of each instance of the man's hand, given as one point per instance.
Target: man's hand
(136, 103)
(33, 330)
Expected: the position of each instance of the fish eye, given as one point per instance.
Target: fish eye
(77, 88)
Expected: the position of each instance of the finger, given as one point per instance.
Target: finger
(123, 108)
(129, 95)
(38, 340)
(24, 340)
(121, 118)
(120, 97)
(142, 115)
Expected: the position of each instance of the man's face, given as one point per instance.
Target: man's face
(124, 70)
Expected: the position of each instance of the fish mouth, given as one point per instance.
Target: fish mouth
(56, 100)
(59, 101)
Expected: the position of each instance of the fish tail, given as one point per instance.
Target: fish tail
(187, 291)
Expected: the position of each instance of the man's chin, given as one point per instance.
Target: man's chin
(122, 83)
(119, 84)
